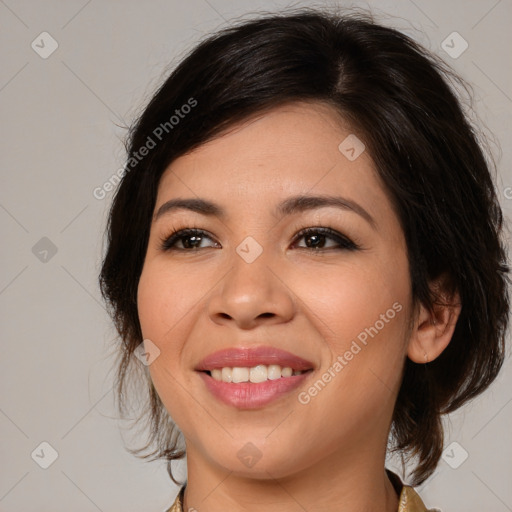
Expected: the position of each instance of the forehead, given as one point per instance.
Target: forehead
(290, 149)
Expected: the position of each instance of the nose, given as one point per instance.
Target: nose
(252, 294)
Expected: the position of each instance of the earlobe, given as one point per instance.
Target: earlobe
(433, 331)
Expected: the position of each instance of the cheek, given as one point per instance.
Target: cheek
(362, 318)
(151, 297)
(362, 313)
(163, 299)
(162, 305)
(350, 298)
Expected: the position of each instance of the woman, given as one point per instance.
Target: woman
(305, 257)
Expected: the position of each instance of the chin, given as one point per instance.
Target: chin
(260, 464)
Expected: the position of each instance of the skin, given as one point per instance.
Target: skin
(327, 454)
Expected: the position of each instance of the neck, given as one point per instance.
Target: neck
(335, 483)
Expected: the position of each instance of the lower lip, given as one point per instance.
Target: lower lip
(247, 395)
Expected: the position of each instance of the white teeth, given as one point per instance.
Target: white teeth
(286, 372)
(227, 375)
(274, 372)
(240, 374)
(256, 374)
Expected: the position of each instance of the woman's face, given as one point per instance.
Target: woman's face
(340, 302)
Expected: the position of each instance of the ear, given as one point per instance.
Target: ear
(433, 331)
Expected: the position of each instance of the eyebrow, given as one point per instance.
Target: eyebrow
(294, 204)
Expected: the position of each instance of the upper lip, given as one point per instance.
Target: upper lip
(250, 357)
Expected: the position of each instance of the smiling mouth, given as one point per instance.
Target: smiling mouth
(255, 374)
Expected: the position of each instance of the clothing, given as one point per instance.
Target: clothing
(408, 501)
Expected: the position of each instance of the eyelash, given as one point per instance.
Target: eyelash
(344, 243)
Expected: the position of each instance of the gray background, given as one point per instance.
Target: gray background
(59, 141)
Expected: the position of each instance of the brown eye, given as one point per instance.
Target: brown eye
(190, 239)
(316, 237)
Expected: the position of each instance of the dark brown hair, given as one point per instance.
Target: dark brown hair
(400, 99)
